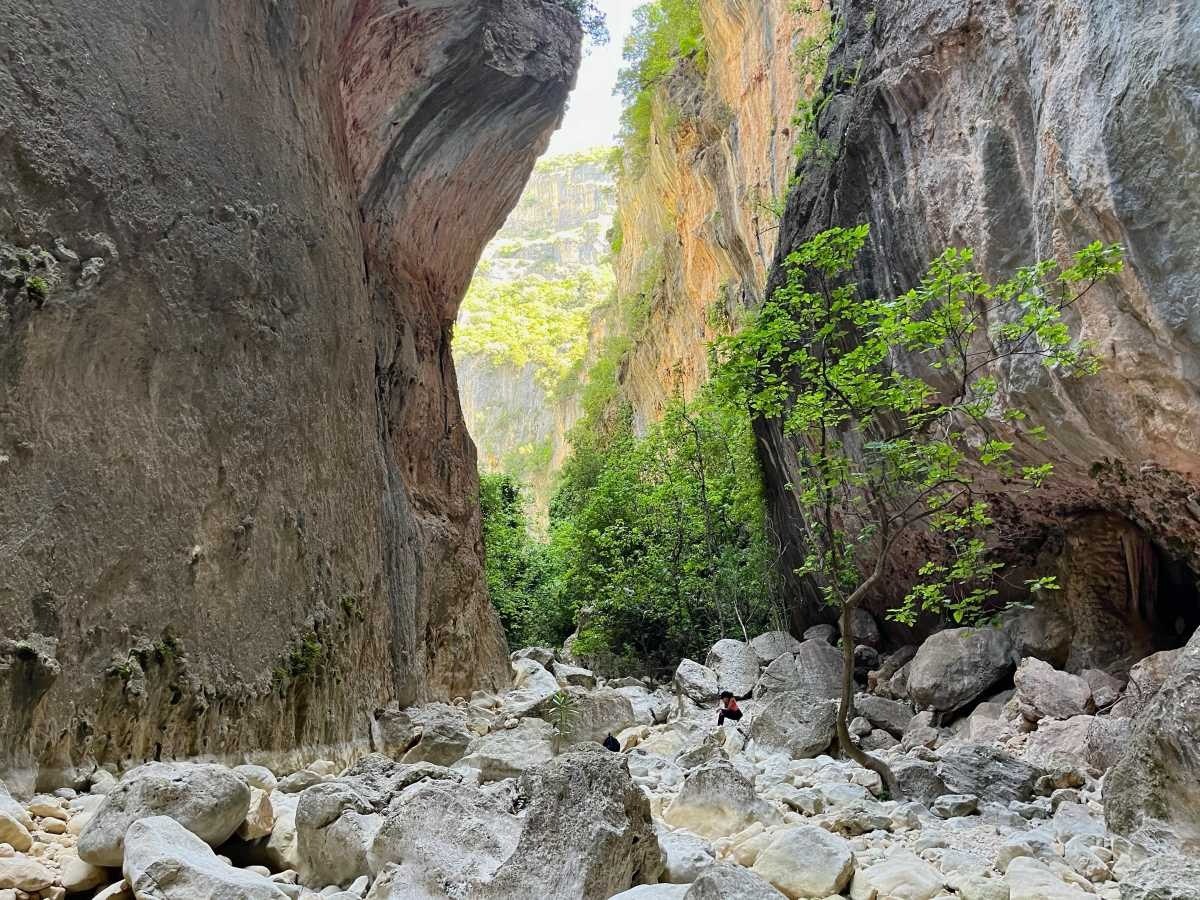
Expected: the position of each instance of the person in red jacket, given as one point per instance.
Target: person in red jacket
(729, 709)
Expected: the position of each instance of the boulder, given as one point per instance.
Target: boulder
(14, 833)
(597, 713)
(654, 892)
(1106, 689)
(335, 828)
(508, 753)
(21, 873)
(1154, 789)
(1031, 879)
(716, 801)
(918, 780)
(280, 846)
(685, 855)
(165, 861)
(696, 681)
(1108, 738)
(260, 817)
(441, 734)
(780, 675)
(820, 670)
(921, 732)
(299, 781)
(576, 676)
(77, 876)
(16, 810)
(795, 723)
(1058, 695)
(949, 806)
(806, 862)
(826, 633)
(1057, 737)
(736, 665)
(1163, 877)
(731, 883)
(441, 833)
(902, 876)
(532, 685)
(257, 777)
(892, 716)
(1040, 631)
(987, 772)
(1145, 680)
(543, 656)
(587, 832)
(648, 708)
(772, 645)
(208, 800)
(864, 628)
(957, 666)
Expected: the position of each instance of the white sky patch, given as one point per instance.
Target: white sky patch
(593, 112)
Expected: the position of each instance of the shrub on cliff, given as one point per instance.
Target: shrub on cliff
(664, 32)
(895, 406)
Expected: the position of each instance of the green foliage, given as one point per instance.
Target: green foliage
(305, 657)
(664, 32)
(38, 287)
(591, 19)
(564, 713)
(663, 537)
(568, 162)
(616, 236)
(533, 320)
(883, 450)
(522, 573)
(812, 61)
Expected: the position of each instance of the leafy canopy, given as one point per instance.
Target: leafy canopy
(534, 321)
(895, 405)
(663, 32)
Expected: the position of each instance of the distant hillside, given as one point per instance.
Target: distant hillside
(522, 331)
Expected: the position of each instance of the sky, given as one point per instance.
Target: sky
(594, 113)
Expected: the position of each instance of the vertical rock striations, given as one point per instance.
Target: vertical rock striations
(236, 495)
(1026, 132)
(699, 220)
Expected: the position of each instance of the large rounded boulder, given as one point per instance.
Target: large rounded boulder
(209, 801)
(957, 666)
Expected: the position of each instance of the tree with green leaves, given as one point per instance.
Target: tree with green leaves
(591, 19)
(895, 408)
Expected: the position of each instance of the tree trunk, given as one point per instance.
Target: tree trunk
(851, 749)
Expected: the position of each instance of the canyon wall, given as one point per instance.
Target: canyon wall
(237, 498)
(1025, 132)
(699, 217)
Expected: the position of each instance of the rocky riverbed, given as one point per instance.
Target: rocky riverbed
(1007, 765)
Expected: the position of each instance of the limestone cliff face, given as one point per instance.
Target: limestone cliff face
(699, 222)
(521, 335)
(236, 493)
(1026, 131)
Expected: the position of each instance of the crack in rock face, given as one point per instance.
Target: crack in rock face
(238, 496)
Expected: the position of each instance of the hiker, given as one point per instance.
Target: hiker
(611, 743)
(729, 709)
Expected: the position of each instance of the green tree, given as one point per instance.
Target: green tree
(663, 32)
(663, 537)
(522, 573)
(895, 406)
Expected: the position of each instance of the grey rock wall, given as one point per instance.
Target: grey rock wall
(237, 500)
(1027, 131)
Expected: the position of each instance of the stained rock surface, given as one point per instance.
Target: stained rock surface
(235, 404)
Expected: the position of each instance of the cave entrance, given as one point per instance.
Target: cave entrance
(1124, 596)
